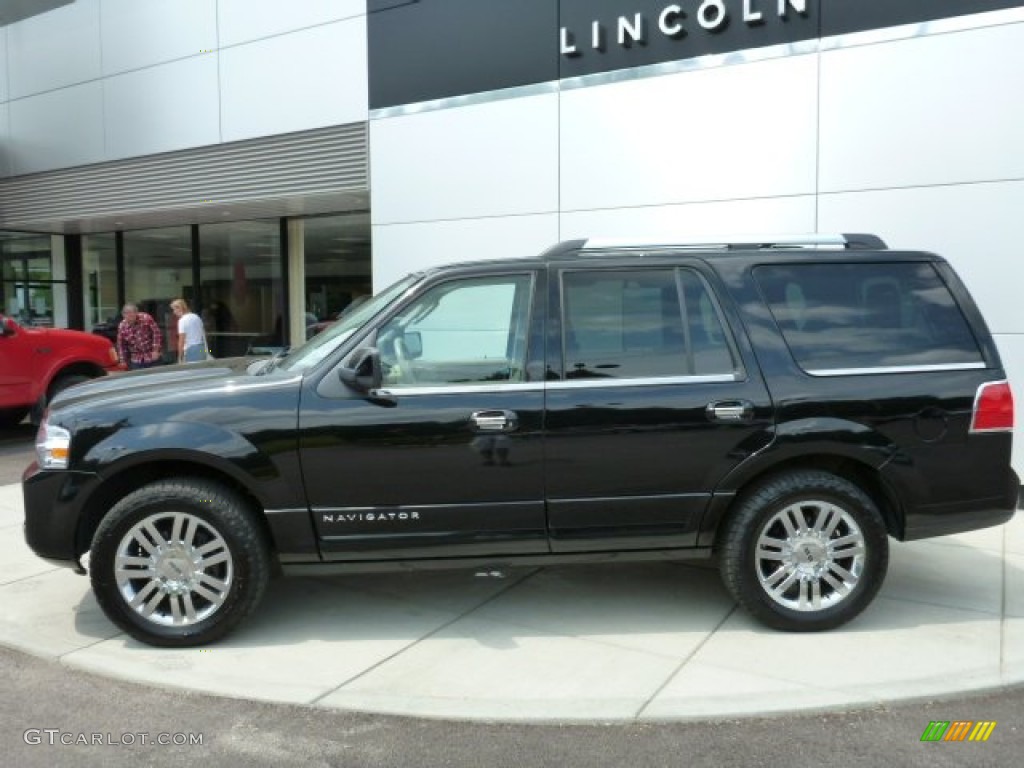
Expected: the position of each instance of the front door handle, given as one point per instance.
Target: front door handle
(730, 411)
(494, 421)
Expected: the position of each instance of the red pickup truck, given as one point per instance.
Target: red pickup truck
(37, 363)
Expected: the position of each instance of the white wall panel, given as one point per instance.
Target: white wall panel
(399, 249)
(5, 144)
(57, 129)
(782, 215)
(4, 94)
(725, 133)
(974, 226)
(303, 80)
(491, 159)
(930, 110)
(163, 108)
(245, 20)
(138, 34)
(54, 49)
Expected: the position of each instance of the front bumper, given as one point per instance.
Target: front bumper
(54, 502)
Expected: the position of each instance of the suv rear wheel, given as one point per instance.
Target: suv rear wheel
(806, 550)
(179, 563)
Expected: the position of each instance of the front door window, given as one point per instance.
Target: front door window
(458, 333)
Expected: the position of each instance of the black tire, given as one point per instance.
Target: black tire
(63, 382)
(840, 555)
(12, 417)
(187, 521)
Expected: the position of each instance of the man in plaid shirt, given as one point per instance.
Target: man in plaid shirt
(139, 340)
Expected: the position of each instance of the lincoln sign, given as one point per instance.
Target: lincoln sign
(675, 22)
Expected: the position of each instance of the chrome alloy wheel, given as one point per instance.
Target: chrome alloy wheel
(173, 569)
(810, 556)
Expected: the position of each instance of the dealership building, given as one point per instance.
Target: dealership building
(274, 161)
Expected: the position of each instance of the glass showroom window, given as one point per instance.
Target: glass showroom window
(34, 291)
(157, 269)
(99, 284)
(336, 250)
(241, 290)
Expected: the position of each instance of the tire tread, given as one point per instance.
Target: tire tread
(736, 572)
(235, 522)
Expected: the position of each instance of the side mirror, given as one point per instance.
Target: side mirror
(363, 373)
(7, 327)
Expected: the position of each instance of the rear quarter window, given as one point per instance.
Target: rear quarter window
(839, 318)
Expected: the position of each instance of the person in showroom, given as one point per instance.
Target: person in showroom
(139, 339)
(191, 334)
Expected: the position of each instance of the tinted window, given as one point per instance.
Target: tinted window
(642, 323)
(857, 316)
(461, 332)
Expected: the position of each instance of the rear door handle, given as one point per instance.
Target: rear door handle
(494, 421)
(730, 411)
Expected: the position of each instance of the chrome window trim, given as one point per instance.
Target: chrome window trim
(896, 369)
(540, 386)
(649, 381)
(461, 389)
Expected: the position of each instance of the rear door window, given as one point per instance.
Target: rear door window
(638, 324)
(851, 318)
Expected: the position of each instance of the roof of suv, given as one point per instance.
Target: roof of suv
(801, 245)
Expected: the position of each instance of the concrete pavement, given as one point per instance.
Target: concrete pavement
(637, 642)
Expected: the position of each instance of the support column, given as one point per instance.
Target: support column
(296, 282)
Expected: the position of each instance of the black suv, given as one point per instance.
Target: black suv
(784, 404)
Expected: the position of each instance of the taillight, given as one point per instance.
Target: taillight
(993, 408)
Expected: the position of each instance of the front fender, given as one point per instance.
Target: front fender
(128, 448)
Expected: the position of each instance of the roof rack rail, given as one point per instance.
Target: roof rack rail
(746, 242)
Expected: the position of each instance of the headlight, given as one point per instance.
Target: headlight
(53, 445)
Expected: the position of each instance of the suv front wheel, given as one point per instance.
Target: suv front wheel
(804, 551)
(179, 563)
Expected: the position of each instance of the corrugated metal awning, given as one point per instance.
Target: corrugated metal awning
(308, 172)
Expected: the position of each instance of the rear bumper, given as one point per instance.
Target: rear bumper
(958, 517)
(53, 505)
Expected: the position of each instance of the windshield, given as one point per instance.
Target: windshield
(324, 343)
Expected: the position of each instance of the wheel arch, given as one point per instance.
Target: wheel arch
(75, 368)
(131, 477)
(856, 470)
